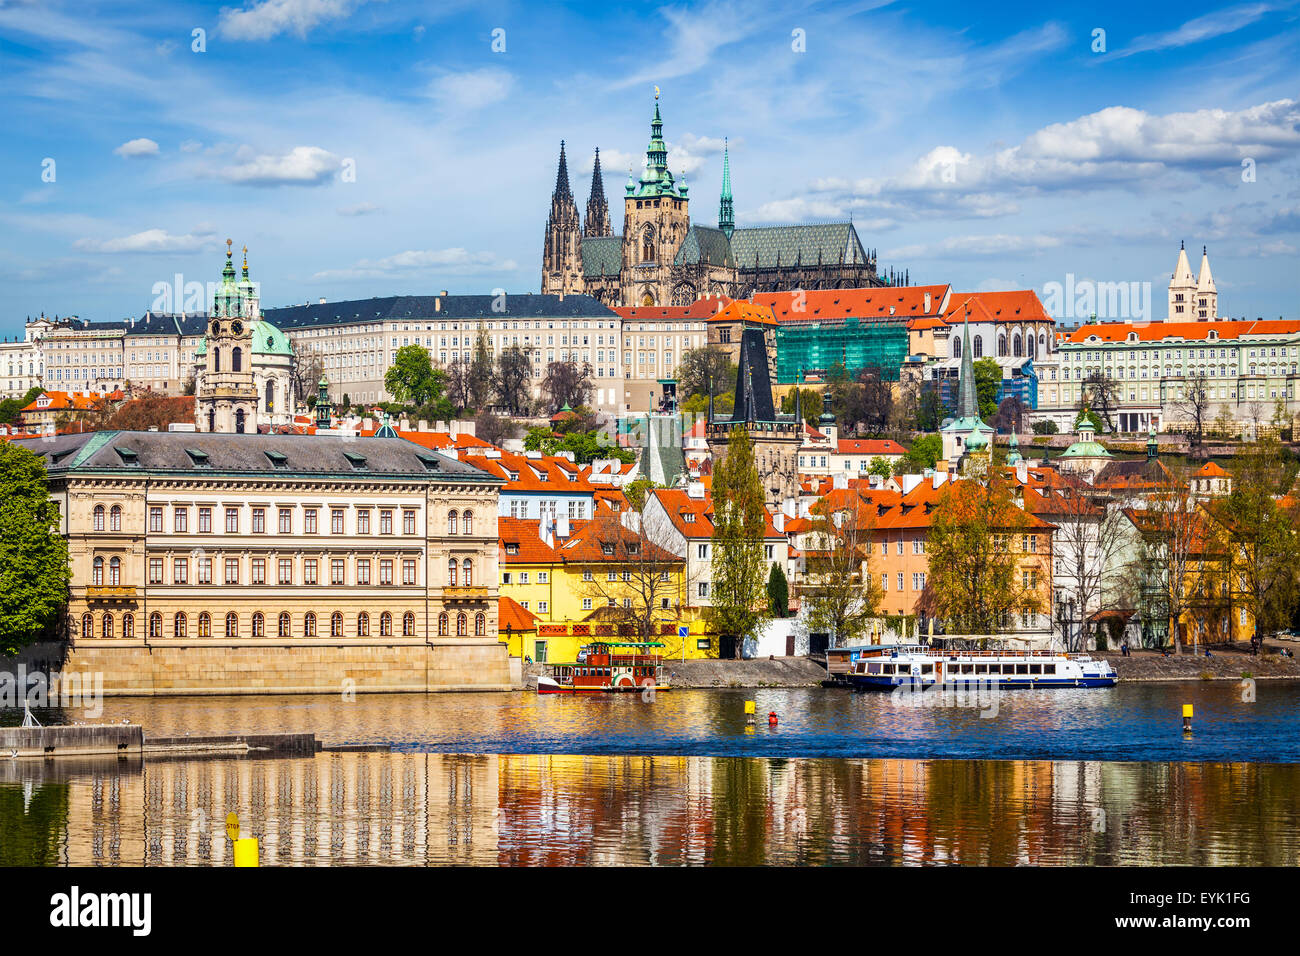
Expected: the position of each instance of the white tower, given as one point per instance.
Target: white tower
(1182, 290)
(1207, 296)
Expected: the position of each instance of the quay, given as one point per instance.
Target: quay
(130, 740)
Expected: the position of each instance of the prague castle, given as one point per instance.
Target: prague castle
(663, 259)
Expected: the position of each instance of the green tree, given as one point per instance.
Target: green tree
(839, 591)
(412, 380)
(988, 379)
(33, 555)
(703, 370)
(739, 522)
(810, 404)
(723, 404)
(778, 592)
(10, 407)
(880, 466)
(923, 454)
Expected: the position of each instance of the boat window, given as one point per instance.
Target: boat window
(1049, 668)
(981, 668)
(1035, 668)
(1022, 668)
(927, 668)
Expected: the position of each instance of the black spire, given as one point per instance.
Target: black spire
(597, 223)
(562, 190)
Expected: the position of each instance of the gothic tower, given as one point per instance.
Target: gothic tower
(1182, 290)
(562, 251)
(656, 220)
(726, 215)
(597, 223)
(1207, 295)
(225, 396)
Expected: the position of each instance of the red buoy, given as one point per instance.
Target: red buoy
(771, 718)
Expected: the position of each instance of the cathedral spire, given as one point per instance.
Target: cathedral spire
(967, 403)
(597, 223)
(726, 215)
(562, 190)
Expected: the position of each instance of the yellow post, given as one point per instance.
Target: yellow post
(1187, 718)
(246, 851)
(749, 706)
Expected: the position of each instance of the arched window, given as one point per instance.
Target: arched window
(205, 624)
(236, 359)
(648, 245)
(408, 624)
(87, 625)
(282, 629)
(480, 624)
(155, 624)
(232, 624)
(179, 623)
(442, 624)
(128, 624)
(1016, 349)
(270, 395)
(956, 348)
(468, 522)
(115, 518)
(115, 571)
(385, 625)
(99, 517)
(451, 522)
(461, 624)
(1002, 345)
(97, 572)
(336, 624)
(467, 572)
(309, 625)
(259, 624)
(216, 360)
(363, 624)
(239, 420)
(106, 625)
(977, 347)
(451, 572)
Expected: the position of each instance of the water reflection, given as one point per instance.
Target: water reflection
(420, 809)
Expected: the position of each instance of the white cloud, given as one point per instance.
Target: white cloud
(136, 148)
(360, 209)
(968, 247)
(151, 240)
(1206, 27)
(453, 261)
(301, 166)
(264, 19)
(191, 146)
(471, 90)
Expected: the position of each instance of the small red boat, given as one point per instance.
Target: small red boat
(607, 667)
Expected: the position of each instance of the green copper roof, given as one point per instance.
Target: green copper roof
(1086, 449)
(602, 255)
(830, 242)
(657, 180)
(726, 212)
(704, 244)
(267, 340)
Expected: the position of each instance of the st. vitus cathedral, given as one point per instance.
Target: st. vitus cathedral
(662, 259)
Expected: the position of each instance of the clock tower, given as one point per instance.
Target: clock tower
(225, 395)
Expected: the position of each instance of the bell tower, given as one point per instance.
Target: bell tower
(656, 219)
(224, 394)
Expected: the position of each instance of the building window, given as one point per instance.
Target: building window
(467, 572)
(179, 625)
(451, 574)
(155, 570)
(181, 520)
(97, 572)
(99, 517)
(232, 521)
(258, 575)
(309, 520)
(205, 571)
(586, 604)
(452, 518)
(408, 572)
(336, 521)
(480, 624)
(363, 624)
(385, 522)
(283, 627)
(337, 576)
(180, 570)
(468, 524)
(155, 624)
(286, 570)
(286, 521)
(386, 571)
(309, 625)
(442, 624)
(259, 521)
(128, 625)
(259, 624)
(205, 521)
(386, 625)
(106, 625)
(408, 624)
(336, 624)
(408, 522)
(703, 590)
(232, 570)
(309, 571)
(205, 624)
(232, 624)
(363, 521)
(363, 571)
(461, 624)
(155, 519)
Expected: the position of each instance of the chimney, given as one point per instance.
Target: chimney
(695, 489)
(927, 303)
(562, 526)
(421, 426)
(437, 304)
(1022, 471)
(322, 300)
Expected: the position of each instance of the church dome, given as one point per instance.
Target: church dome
(269, 340)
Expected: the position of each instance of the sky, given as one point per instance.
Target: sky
(380, 147)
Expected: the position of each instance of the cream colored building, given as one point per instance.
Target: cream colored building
(268, 548)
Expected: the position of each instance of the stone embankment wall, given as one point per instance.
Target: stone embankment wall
(1218, 667)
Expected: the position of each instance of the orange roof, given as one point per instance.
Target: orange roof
(699, 309)
(608, 539)
(435, 441)
(914, 508)
(742, 311)
(1190, 331)
(61, 401)
(869, 446)
(521, 543)
(1018, 305)
(1211, 470)
(819, 305)
(513, 615)
(613, 498)
(693, 517)
(548, 473)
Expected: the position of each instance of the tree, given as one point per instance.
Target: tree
(1045, 427)
(460, 383)
(839, 591)
(1103, 397)
(988, 379)
(1195, 406)
(34, 571)
(646, 585)
(494, 429)
(1262, 542)
(880, 466)
(152, 411)
(566, 383)
(482, 368)
(307, 371)
(10, 407)
(980, 575)
(1088, 547)
(929, 408)
(412, 379)
(510, 379)
(739, 523)
(1010, 415)
(864, 403)
(723, 404)
(924, 453)
(704, 370)
(810, 404)
(778, 592)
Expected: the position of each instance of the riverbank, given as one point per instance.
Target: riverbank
(1222, 666)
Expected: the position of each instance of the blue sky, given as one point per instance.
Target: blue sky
(984, 149)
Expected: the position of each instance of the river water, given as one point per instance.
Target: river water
(1099, 777)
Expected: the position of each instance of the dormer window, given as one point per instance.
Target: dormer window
(129, 456)
(607, 548)
(358, 462)
(512, 549)
(689, 517)
(199, 458)
(278, 459)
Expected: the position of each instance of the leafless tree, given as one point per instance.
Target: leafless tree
(308, 369)
(566, 383)
(1194, 406)
(630, 580)
(511, 377)
(1089, 544)
(1103, 396)
(838, 589)
(460, 383)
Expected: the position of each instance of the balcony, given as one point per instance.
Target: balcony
(110, 592)
(465, 593)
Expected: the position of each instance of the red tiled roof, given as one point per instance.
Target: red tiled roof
(62, 401)
(524, 537)
(1017, 305)
(1189, 331)
(528, 473)
(511, 614)
(869, 446)
(678, 504)
(820, 305)
(1211, 470)
(589, 541)
(742, 311)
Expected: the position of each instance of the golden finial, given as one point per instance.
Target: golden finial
(656, 92)
(229, 243)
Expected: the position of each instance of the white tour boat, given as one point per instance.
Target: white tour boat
(886, 666)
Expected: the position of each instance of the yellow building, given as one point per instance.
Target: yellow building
(593, 579)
